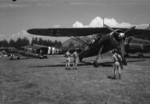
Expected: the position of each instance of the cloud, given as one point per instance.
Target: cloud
(2, 37)
(98, 22)
(56, 26)
(142, 26)
(78, 24)
(21, 34)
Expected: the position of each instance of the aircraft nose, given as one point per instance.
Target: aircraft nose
(121, 35)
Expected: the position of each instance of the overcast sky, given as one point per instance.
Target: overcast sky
(17, 17)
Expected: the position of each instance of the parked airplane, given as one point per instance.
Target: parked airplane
(50, 50)
(40, 49)
(13, 52)
(107, 39)
(135, 45)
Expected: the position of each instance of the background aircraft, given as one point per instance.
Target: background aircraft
(50, 50)
(135, 45)
(13, 52)
(107, 39)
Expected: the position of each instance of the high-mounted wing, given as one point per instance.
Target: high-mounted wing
(66, 32)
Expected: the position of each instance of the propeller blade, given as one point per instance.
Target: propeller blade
(122, 46)
(130, 39)
(130, 29)
(110, 29)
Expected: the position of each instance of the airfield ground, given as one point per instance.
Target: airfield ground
(45, 81)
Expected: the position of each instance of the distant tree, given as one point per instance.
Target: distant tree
(41, 41)
(58, 45)
(71, 45)
(34, 41)
(12, 43)
(25, 41)
(18, 43)
(4, 43)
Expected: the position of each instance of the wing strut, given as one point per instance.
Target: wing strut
(80, 40)
(97, 58)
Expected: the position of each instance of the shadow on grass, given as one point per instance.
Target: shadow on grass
(111, 77)
(84, 63)
(62, 65)
(24, 58)
(139, 57)
(137, 60)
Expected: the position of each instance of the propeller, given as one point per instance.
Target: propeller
(122, 47)
(121, 36)
(110, 29)
(130, 29)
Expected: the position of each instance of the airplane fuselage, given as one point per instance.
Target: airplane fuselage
(106, 42)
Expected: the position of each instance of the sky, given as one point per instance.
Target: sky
(17, 17)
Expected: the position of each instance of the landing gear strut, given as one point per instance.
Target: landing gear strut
(80, 59)
(124, 62)
(18, 58)
(95, 64)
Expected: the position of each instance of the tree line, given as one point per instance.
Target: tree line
(20, 42)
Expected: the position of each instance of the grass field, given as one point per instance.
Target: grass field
(45, 81)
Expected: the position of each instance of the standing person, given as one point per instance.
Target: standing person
(68, 59)
(117, 65)
(75, 59)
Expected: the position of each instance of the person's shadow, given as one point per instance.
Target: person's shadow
(111, 77)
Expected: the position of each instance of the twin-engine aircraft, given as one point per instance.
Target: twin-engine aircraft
(107, 38)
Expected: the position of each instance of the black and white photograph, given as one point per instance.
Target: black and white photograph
(74, 52)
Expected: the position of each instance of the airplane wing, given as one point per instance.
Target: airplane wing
(67, 32)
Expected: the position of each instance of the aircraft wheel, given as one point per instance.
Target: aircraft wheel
(124, 62)
(18, 58)
(80, 59)
(11, 58)
(95, 64)
(41, 57)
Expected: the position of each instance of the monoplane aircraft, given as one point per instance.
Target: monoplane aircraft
(107, 38)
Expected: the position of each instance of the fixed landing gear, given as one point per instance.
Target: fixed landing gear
(18, 58)
(140, 55)
(12, 57)
(124, 62)
(80, 59)
(95, 64)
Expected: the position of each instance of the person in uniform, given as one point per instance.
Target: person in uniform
(68, 59)
(117, 65)
(75, 59)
